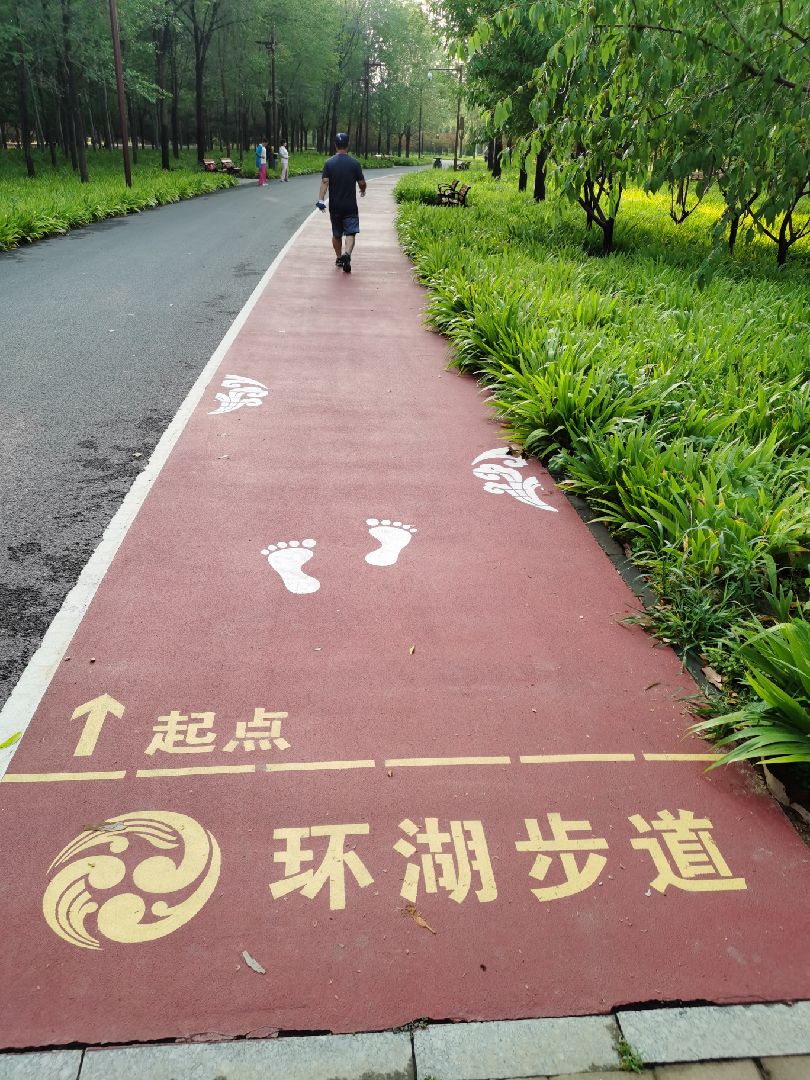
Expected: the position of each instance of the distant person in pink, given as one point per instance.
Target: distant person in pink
(261, 161)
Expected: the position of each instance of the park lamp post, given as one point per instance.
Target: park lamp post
(119, 81)
(459, 71)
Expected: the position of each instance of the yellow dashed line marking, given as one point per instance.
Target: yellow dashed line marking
(430, 761)
(47, 778)
(316, 766)
(197, 770)
(556, 759)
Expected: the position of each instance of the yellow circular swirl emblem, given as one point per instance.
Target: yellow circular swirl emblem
(189, 875)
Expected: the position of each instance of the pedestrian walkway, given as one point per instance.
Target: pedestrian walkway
(353, 733)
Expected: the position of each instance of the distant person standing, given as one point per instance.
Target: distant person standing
(261, 161)
(341, 173)
(284, 154)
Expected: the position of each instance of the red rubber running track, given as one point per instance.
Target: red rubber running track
(477, 803)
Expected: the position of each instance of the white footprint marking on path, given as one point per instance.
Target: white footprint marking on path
(288, 559)
(393, 536)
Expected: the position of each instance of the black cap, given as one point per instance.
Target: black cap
(341, 139)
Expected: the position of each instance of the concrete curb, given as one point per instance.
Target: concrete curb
(713, 1032)
(496, 1050)
(501, 1050)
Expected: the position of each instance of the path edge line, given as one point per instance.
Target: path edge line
(30, 688)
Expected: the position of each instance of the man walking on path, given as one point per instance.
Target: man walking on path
(284, 154)
(340, 174)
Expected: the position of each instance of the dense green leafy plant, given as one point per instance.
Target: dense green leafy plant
(775, 727)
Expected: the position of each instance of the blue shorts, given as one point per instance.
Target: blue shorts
(344, 226)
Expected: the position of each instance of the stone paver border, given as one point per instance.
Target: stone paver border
(746, 1042)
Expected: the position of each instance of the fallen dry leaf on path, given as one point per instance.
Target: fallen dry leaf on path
(412, 650)
(712, 676)
(410, 909)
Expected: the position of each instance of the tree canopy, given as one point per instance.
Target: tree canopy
(662, 93)
(203, 71)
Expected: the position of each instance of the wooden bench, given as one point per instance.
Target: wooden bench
(463, 165)
(446, 190)
(457, 197)
(209, 165)
(227, 166)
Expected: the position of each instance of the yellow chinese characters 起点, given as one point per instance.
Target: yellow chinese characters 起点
(454, 865)
(577, 878)
(178, 733)
(696, 864)
(332, 868)
(264, 729)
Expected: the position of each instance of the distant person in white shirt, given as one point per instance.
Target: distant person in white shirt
(284, 154)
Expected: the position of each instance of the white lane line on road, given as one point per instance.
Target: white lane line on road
(18, 710)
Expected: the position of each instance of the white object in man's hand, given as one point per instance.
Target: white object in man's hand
(321, 206)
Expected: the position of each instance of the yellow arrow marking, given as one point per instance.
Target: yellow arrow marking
(96, 712)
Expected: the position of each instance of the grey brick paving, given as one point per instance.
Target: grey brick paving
(787, 1068)
(47, 1065)
(612, 1075)
(384, 1056)
(517, 1048)
(716, 1070)
(706, 1033)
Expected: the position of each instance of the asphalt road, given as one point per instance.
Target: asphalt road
(102, 333)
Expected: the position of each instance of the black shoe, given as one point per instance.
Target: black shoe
(339, 260)
(347, 264)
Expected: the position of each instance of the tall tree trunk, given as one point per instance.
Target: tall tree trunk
(540, 176)
(133, 130)
(108, 135)
(161, 51)
(333, 124)
(496, 158)
(73, 95)
(175, 109)
(784, 243)
(22, 92)
(95, 142)
(523, 176)
(199, 101)
(733, 229)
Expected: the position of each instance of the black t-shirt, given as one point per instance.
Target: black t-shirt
(343, 172)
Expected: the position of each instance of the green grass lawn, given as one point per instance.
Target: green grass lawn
(55, 201)
(682, 413)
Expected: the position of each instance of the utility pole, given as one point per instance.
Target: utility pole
(119, 81)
